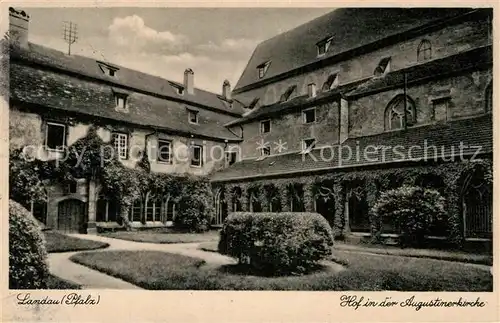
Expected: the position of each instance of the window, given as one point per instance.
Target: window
(121, 101)
(262, 69)
(253, 103)
(265, 151)
(441, 108)
(323, 46)
(231, 157)
(309, 115)
(196, 156)
(331, 83)
(164, 151)
(308, 144)
(265, 126)
(395, 113)
(136, 211)
(383, 67)
(55, 136)
(121, 144)
(424, 51)
(153, 208)
(180, 90)
(285, 96)
(311, 90)
(108, 69)
(193, 116)
(70, 187)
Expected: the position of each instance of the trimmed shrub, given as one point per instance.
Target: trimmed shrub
(195, 206)
(27, 254)
(277, 243)
(412, 209)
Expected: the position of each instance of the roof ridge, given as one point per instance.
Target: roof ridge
(106, 61)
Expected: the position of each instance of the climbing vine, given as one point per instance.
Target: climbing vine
(91, 158)
(374, 182)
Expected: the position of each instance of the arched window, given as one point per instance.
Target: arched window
(395, 113)
(220, 208)
(296, 197)
(477, 204)
(359, 220)
(235, 199)
(424, 51)
(107, 209)
(325, 203)
(254, 202)
(136, 211)
(153, 207)
(489, 98)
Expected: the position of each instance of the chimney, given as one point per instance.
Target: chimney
(226, 90)
(189, 81)
(18, 27)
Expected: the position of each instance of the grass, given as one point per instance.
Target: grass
(395, 251)
(163, 236)
(55, 282)
(58, 242)
(165, 271)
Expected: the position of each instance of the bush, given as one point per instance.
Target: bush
(276, 243)
(27, 255)
(413, 210)
(195, 206)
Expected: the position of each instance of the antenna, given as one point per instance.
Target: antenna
(70, 34)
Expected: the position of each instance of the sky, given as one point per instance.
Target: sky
(215, 43)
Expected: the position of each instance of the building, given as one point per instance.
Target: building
(323, 118)
(366, 100)
(54, 98)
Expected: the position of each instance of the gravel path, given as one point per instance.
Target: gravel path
(61, 266)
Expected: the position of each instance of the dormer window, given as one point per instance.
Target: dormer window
(121, 101)
(262, 69)
(311, 90)
(285, 96)
(383, 67)
(193, 116)
(332, 82)
(178, 88)
(108, 69)
(323, 46)
(253, 103)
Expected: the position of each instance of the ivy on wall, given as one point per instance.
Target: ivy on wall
(90, 158)
(373, 182)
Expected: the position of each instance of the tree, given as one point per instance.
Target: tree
(412, 209)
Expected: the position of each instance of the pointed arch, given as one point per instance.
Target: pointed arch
(424, 51)
(394, 113)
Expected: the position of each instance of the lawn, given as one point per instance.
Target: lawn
(165, 271)
(163, 236)
(55, 282)
(458, 256)
(58, 242)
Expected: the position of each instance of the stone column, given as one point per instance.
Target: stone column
(91, 206)
(308, 197)
(285, 203)
(244, 200)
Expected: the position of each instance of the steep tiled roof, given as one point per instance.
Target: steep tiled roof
(474, 58)
(473, 133)
(296, 102)
(349, 28)
(124, 77)
(66, 93)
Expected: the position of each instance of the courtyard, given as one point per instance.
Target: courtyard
(127, 264)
